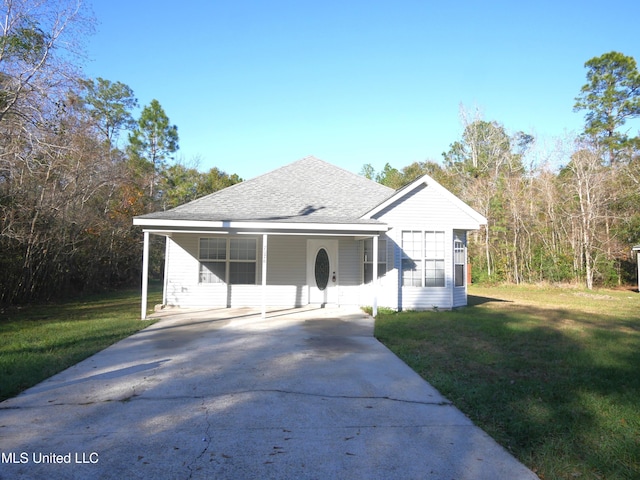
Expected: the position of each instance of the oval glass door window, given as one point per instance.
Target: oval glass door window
(322, 269)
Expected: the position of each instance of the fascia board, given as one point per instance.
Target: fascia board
(261, 226)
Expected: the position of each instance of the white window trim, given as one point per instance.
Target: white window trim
(383, 252)
(227, 260)
(462, 240)
(423, 257)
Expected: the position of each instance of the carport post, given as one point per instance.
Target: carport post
(375, 276)
(264, 275)
(145, 275)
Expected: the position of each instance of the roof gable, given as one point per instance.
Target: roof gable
(309, 190)
(426, 180)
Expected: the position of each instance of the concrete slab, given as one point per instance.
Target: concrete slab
(305, 393)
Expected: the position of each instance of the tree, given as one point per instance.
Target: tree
(110, 105)
(37, 39)
(368, 171)
(181, 184)
(588, 179)
(611, 96)
(154, 140)
(483, 164)
(390, 177)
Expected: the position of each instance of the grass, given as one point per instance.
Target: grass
(41, 340)
(553, 374)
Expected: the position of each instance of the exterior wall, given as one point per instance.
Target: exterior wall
(424, 210)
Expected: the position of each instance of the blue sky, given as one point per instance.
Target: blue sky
(253, 85)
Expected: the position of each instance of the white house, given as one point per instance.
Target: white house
(313, 233)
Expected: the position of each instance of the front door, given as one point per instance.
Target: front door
(322, 271)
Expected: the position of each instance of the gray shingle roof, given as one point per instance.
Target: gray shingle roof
(309, 190)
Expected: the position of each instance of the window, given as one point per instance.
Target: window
(213, 256)
(236, 257)
(368, 259)
(242, 265)
(423, 259)
(434, 259)
(459, 261)
(412, 259)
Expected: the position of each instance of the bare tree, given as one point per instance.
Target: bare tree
(38, 38)
(587, 178)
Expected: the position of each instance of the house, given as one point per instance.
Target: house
(313, 233)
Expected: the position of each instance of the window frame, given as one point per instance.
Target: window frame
(416, 277)
(234, 256)
(383, 259)
(434, 254)
(459, 261)
(431, 252)
(208, 257)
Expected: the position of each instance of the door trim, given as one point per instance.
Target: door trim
(330, 294)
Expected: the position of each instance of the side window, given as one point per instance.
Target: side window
(368, 259)
(459, 261)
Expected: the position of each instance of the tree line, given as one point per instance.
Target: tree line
(575, 222)
(75, 164)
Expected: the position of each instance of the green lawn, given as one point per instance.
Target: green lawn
(39, 341)
(553, 374)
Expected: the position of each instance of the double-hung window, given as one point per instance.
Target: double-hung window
(412, 258)
(213, 260)
(459, 261)
(434, 259)
(242, 261)
(232, 260)
(368, 259)
(423, 259)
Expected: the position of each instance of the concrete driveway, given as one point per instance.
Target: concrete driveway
(224, 394)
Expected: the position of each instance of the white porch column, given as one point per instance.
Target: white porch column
(375, 275)
(264, 275)
(165, 279)
(638, 261)
(145, 275)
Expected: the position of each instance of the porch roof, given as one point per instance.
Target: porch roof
(307, 194)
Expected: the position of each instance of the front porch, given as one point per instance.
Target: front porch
(249, 269)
